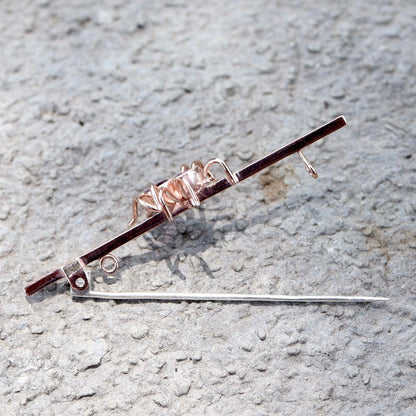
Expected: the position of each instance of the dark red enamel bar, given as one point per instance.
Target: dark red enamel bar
(44, 281)
(204, 194)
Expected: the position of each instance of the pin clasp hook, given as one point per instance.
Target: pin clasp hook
(308, 165)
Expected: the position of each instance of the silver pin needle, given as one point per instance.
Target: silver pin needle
(224, 297)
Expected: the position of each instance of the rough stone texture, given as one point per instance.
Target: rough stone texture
(98, 98)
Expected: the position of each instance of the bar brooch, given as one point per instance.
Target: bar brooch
(163, 202)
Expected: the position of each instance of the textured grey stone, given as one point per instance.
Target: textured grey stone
(97, 99)
(139, 331)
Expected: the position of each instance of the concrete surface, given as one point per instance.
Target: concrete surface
(99, 98)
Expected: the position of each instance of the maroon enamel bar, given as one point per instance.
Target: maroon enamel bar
(291, 148)
(44, 281)
(205, 193)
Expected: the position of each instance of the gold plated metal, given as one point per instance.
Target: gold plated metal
(180, 191)
(308, 165)
(114, 264)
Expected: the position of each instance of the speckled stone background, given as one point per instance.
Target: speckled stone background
(99, 98)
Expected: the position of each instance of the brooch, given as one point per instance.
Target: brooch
(166, 200)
